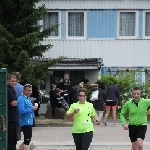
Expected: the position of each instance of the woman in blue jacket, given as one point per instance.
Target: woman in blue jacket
(26, 113)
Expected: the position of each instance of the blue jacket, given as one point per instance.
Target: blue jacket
(26, 111)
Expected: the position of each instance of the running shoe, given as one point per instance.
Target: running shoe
(113, 125)
(98, 122)
(104, 124)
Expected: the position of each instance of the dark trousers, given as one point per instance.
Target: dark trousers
(12, 135)
(18, 131)
(27, 132)
(18, 128)
(53, 110)
(82, 140)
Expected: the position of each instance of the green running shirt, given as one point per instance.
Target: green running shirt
(137, 114)
(82, 120)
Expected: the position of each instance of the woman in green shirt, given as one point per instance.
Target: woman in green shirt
(137, 109)
(82, 130)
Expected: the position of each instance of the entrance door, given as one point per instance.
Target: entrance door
(76, 77)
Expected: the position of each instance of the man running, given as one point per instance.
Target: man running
(137, 110)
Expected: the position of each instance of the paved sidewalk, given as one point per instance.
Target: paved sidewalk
(105, 138)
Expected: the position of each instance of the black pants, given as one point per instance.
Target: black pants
(27, 132)
(12, 135)
(53, 109)
(18, 131)
(82, 140)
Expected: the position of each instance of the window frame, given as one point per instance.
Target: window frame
(136, 24)
(144, 23)
(85, 25)
(59, 23)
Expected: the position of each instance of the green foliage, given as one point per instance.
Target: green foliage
(126, 82)
(21, 39)
(89, 89)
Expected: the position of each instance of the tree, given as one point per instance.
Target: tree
(21, 39)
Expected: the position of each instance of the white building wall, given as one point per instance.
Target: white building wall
(95, 4)
(121, 53)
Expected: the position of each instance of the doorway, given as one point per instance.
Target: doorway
(76, 77)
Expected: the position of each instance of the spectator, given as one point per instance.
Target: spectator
(112, 98)
(35, 94)
(66, 88)
(99, 104)
(60, 101)
(75, 91)
(86, 81)
(59, 81)
(99, 83)
(18, 89)
(52, 100)
(26, 112)
(12, 113)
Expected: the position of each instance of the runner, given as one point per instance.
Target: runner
(137, 109)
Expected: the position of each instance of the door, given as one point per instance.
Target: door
(3, 108)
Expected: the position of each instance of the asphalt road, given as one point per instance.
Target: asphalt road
(105, 138)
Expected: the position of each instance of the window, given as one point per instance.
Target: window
(50, 19)
(147, 24)
(76, 24)
(127, 24)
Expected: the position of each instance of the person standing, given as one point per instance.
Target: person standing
(137, 110)
(35, 94)
(18, 89)
(75, 91)
(59, 81)
(26, 112)
(99, 104)
(82, 129)
(66, 88)
(12, 113)
(52, 93)
(112, 101)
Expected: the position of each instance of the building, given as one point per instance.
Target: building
(98, 36)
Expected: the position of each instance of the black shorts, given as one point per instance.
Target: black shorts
(111, 103)
(137, 132)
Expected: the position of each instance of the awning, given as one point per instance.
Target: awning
(79, 64)
(76, 63)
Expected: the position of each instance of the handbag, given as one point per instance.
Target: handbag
(94, 95)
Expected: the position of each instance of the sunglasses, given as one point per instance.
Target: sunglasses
(27, 85)
(82, 95)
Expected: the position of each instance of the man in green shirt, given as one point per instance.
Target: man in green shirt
(137, 110)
